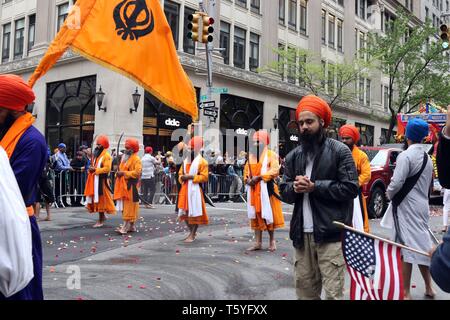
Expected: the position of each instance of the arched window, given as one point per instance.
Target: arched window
(70, 113)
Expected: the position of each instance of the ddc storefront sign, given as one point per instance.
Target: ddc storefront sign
(171, 122)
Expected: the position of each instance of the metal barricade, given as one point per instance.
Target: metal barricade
(222, 187)
(69, 188)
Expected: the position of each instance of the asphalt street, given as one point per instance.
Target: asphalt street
(83, 263)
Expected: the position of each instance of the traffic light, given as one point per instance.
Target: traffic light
(208, 29)
(193, 26)
(444, 36)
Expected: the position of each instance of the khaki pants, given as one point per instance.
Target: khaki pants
(317, 266)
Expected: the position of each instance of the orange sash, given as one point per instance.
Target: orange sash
(89, 189)
(120, 187)
(12, 137)
(256, 190)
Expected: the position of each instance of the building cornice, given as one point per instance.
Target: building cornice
(198, 64)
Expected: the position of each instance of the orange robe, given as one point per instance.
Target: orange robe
(273, 171)
(364, 174)
(122, 191)
(201, 177)
(105, 202)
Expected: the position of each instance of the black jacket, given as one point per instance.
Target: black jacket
(442, 161)
(440, 264)
(336, 185)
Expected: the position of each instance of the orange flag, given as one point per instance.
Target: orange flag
(131, 37)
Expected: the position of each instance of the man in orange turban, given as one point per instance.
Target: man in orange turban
(26, 149)
(191, 202)
(97, 190)
(263, 206)
(320, 179)
(125, 189)
(349, 135)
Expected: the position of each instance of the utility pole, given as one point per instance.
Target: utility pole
(209, 47)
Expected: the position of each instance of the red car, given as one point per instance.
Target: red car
(382, 164)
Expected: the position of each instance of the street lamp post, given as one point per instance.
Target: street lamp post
(100, 95)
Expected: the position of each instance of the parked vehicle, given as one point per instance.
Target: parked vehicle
(382, 163)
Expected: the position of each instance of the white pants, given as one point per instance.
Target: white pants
(446, 209)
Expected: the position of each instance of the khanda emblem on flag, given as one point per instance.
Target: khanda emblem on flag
(133, 19)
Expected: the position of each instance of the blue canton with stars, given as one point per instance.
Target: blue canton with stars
(359, 252)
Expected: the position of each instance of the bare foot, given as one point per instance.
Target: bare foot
(430, 294)
(189, 240)
(48, 219)
(122, 231)
(272, 246)
(444, 229)
(255, 247)
(98, 225)
(407, 297)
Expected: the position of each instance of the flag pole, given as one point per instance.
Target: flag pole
(343, 226)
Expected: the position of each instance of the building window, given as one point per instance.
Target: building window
(6, 41)
(361, 90)
(330, 79)
(362, 43)
(281, 11)
(386, 98)
(303, 16)
(31, 31)
(446, 6)
(324, 23)
(427, 13)
(63, 12)
(225, 41)
(331, 25)
(172, 11)
(362, 9)
(70, 113)
(293, 14)
(241, 3)
(292, 65)
(281, 60)
(368, 92)
(255, 6)
(341, 2)
(339, 35)
(19, 38)
(367, 133)
(188, 44)
(254, 52)
(239, 47)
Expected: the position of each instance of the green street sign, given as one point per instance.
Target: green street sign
(203, 98)
(219, 90)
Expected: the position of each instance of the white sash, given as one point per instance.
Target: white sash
(96, 181)
(266, 208)
(357, 221)
(194, 193)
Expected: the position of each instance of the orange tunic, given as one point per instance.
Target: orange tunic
(273, 171)
(364, 174)
(105, 202)
(201, 177)
(133, 170)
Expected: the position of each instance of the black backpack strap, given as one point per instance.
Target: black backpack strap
(409, 184)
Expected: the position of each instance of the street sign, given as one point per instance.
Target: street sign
(219, 90)
(208, 105)
(213, 113)
(203, 98)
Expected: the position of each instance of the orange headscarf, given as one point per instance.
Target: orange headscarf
(132, 144)
(262, 136)
(15, 94)
(349, 131)
(103, 141)
(196, 143)
(317, 106)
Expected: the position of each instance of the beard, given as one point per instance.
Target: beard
(9, 121)
(98, 151)
(350, 146)
(405, 144)
(311, 142)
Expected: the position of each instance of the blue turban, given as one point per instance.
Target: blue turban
(416, 130)
(61, 145)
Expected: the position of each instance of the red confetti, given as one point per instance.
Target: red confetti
(177, 251)
(142, 287)
(284, 255)
(413, 286)
(80, 298)
(130, 286)
(158, 279)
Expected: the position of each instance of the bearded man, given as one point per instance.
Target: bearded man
(320, 179)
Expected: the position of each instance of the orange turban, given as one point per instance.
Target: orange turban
(132, 144)
(103, 141)
(349, 131)
(261, 136)
(196, 143)
(317, 106)
(15, 94)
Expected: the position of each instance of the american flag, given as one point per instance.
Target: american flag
(375, 268)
